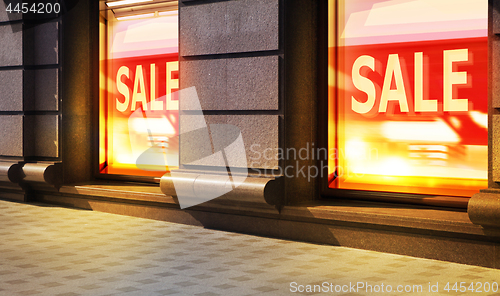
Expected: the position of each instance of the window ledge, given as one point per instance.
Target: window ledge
(387, 215)
(120, 190)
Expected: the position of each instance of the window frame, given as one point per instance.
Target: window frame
(326, 192)
(96, 170)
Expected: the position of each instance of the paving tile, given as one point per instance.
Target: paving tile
(46, 250)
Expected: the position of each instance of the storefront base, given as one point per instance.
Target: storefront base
(433, 233)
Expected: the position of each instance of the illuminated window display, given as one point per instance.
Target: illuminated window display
(408, 96)
(138, 86)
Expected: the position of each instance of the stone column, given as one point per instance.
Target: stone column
(484, 207)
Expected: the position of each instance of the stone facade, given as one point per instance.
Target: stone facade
(256, 64)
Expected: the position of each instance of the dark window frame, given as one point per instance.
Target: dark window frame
(96, 171)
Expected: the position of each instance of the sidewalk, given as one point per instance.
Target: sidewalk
(49, 250)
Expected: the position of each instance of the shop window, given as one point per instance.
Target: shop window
(138, 122)
(408, 96)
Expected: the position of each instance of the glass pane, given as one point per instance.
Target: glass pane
(138, 99)
(408, 104)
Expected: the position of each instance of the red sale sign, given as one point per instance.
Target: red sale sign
(432, 80)
(143, 81)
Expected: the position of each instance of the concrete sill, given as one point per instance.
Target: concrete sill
(120, 191)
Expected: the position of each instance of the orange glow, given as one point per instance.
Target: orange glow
(408, 96)
(139, 114)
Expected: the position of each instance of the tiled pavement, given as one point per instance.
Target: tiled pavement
(49, 250)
